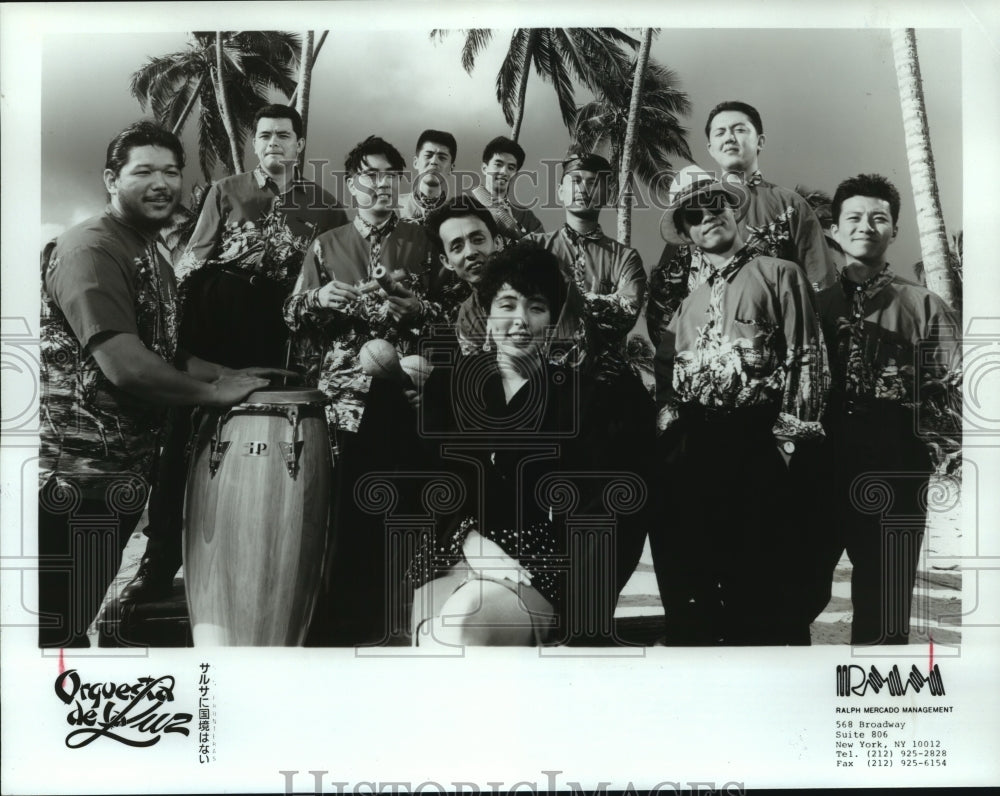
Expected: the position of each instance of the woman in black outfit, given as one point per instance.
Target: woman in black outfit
(537, 446)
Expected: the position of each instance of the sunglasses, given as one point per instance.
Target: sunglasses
(694, 215)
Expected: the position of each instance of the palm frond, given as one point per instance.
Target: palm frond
(476, 40)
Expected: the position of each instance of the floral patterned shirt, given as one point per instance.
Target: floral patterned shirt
(246, 224)
(608, 286)
(747, 336)
(513, 222)
(100, 276)
(326, 342)
(776, 222)
(893, 340)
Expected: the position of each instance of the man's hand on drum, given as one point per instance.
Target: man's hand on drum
(489, 560)
(263, 373)
(337, 295)
(230, 389)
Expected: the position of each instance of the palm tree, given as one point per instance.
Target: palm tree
(638, 78)
(252, 63)
(656, 130)
(930, 221)
(591, 56)
(219, 83)
(307, 60)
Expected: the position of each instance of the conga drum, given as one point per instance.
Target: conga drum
(255, 519)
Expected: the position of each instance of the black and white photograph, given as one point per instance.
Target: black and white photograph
(416, 401)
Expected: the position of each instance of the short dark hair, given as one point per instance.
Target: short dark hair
(372, 145)
(874, 185)
(459, 208)
(530, 269)
(438, 137)
(142, 133)
(507, 146)
(279, 112)
(735, 105)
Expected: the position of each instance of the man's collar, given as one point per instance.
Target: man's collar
(751, 180)
(595, 234)
(869, 287)
(366, 228)
(732, 266)
(265, 180)
(152, 236)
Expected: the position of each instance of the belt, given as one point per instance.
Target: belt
(255, 280)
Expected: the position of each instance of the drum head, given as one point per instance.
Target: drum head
(287, 395)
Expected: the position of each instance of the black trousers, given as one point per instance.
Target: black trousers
(362, 600)
(880, 476)
(80, 544)
(735, 558)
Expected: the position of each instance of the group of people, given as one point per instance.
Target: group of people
(788, 367)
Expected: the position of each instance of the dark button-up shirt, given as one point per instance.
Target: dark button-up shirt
(100, 276)
(893, 341)
(777, 222)
(607, 288)
(747, 336)
(514, 222)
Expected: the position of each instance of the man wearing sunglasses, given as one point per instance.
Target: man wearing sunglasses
(742, 374)
(367, 279)
(776, 221)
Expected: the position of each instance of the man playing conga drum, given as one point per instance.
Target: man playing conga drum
(109, 344)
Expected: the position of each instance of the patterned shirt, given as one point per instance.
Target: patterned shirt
(100, 276)
(777, 223)
(893, 340)
(747, 336)
(513, 222)
(327, 341)
(248, 225)
(607, 288)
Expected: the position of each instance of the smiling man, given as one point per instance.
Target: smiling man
(773, 220)
(502, 161)
(895, 354)
(238, 267)
(108, 350)
(467, 235)
(741, 376)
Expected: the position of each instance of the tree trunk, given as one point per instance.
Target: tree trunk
(305, 81)
(522, 84)
(190, 104)
(930, 222)
(227, 119)
(625, 180)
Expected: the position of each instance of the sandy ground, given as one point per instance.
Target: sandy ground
(937, 604)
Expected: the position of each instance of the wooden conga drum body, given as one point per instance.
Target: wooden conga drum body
(255, 519)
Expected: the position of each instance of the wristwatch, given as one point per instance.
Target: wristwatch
(788, 447)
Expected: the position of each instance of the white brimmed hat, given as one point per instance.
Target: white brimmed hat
(691, 183)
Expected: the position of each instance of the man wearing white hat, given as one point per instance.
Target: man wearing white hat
(742, 376)
(776, 221)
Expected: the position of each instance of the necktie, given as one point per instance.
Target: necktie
(376, 236)
(578, 242)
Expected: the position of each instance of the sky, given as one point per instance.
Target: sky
(828, 98)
